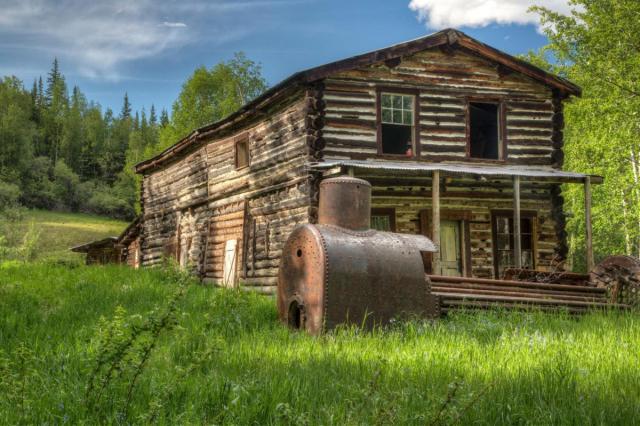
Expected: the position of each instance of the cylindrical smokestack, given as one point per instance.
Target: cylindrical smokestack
(346, 202)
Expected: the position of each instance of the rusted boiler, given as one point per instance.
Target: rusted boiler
(341, 271)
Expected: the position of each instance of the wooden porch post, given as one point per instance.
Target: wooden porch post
(517, 241)
(435, 220)
(587, 220)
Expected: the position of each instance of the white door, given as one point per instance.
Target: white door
(230, 262)
(450, 248)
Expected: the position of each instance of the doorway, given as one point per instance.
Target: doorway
(450, 248)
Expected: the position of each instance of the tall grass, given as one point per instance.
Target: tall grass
(224, 359)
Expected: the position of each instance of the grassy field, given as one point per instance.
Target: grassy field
(60, 231)
(113, 345)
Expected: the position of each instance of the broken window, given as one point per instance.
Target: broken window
(242, 153)
(484, 131)
(396, 124)
(503, 238)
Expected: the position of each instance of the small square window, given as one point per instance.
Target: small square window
(242, 153)
(396, 125)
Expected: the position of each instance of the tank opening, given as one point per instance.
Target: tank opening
(295, 317)
(299, 253)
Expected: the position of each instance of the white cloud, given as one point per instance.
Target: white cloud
(438, 14)
(174, 24)
(97, 39)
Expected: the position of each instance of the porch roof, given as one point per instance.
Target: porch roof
(418, 167)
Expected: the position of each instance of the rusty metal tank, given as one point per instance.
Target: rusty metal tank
(342, 272)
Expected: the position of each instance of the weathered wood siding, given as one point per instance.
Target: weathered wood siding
(444, 82)
(480, 198)
(194, 205)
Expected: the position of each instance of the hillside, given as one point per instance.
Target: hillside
(60, 231)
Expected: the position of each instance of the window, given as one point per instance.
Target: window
(396, 124)
(484, 133)
(383, 220)
(504, 242)
(242, 152)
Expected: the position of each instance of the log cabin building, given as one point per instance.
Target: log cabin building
(460, 141)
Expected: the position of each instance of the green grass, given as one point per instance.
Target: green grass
(60, 231)
(227, 360)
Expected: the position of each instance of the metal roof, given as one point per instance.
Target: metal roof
(417, 168)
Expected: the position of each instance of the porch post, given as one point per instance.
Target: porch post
(517, 242)
(435, 220)
(587, 220)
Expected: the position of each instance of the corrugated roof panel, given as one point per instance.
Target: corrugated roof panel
(456, 168)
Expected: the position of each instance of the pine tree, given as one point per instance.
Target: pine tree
(56, 105)
(164, 118)
(126, 107)
(153, 120)
(53, 79)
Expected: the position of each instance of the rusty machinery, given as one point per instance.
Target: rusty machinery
(342, 271)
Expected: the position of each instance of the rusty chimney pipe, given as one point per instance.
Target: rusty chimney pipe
(346, 202)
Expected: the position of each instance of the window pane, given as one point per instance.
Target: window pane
(386, 100)
(396, 101)
(407, 102)
(407, 117)
(381, 223)
(525, 225)
(387, 116)
(483, 130)
(396, 138)
(503, 225)
(397, 117)
(503, 242)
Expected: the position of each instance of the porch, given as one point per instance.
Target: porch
(485, 218)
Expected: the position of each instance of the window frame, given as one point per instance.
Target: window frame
(386, 211)
(502, 127)
(242, 139)
(524, 214)
(416, 120)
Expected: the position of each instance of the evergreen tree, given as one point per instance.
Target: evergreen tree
(56, 107)
(153, 120)
(126, 108)
(164, 118)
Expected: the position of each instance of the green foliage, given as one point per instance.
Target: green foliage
(226, 359)
(64, 153)
(595, 46)
(210, 95)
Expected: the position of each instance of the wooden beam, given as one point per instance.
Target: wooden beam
(517, 240)
(587, 220)
(435, 220)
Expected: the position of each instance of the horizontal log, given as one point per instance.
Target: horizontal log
(524, 284)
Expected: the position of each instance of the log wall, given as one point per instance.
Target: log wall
(194, 205)
(478, 197)
(444, 82)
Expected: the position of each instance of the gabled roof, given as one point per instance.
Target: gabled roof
(448, 38)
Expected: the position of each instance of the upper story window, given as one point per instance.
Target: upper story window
(242, 152)
(397, 124)
(484, 130)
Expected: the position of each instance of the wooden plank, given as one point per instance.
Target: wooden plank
(435, 219)
(517, 240)
(587, 219)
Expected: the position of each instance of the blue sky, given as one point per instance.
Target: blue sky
(149, 48)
